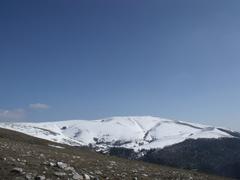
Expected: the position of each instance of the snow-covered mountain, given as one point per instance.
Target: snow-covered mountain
(129, 132)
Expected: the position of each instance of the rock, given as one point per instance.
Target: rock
(76, 157)
(28, 153)
(62, 165)
(40, 177)
(112, 162)
(124, 174)
(77, 176)
(60, 174)
(42, 156)
(52, 164)
(134, 171)
(86, 176)
(45, 163)
(12, 159)
(109, 167)
(17, 170)
(69, 168)
(29, 176)
(98, 172)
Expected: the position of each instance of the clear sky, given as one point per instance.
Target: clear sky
(76, 59)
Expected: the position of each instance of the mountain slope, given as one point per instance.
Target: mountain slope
(26, 157)
(128, 132)
(216, 156)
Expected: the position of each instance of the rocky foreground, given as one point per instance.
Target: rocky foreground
(24, 157)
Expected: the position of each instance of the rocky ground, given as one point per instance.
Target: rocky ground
(24, 157)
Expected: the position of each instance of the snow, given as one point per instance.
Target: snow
(138, 133)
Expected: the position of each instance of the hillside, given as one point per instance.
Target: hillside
(218, 156)
(26, 157)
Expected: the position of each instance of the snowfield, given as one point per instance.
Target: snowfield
(129, 132)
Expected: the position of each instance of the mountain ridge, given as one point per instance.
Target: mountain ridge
(133, 132)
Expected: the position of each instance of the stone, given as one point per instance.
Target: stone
(42, 155)
(62, 165)
(86, 176)
(98, 172)
(60, 174)
(42, 177)
(77, 176)
(52, 164)
(29, 176)
(17, 170)
(69, 168)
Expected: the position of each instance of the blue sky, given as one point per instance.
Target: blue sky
(76, 59)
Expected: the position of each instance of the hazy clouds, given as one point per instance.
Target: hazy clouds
(39, 106)
(20, 114)
(12, 114)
